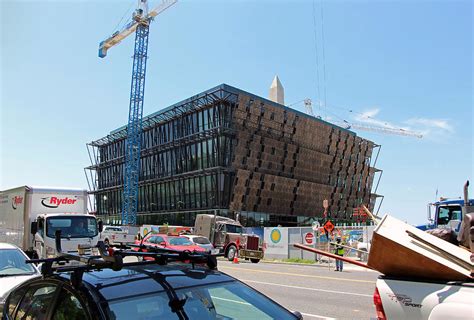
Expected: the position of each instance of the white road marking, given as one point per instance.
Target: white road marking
(316, 316)
(311, 289)
(297, 275)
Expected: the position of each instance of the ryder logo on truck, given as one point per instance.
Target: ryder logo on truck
(55, 202)
(16, 201)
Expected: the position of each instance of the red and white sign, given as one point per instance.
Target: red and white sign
(308, 238)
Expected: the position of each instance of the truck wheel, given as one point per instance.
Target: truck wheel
(231, 252)
(255, 260)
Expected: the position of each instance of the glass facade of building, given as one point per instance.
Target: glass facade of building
(188, 165)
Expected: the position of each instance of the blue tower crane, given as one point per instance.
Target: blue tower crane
(139, 24)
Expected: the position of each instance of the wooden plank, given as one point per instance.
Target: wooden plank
(394, 253)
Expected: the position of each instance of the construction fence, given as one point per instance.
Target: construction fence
(278, 241)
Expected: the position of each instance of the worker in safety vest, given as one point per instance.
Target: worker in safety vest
(339, 251)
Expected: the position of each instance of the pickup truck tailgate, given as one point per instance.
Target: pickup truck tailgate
(403, 299)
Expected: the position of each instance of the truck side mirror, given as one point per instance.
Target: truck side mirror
(101, 226)
(34, 227)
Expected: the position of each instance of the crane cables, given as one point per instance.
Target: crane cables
(127, 13)
(323, 56)
(318, 91)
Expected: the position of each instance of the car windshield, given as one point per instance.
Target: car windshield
(178, 241)
(72, 227)
(230, 300)
(12, 263)
(201, 240)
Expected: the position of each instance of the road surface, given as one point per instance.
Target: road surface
(316, 292)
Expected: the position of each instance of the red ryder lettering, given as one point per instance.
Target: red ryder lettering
(17, 200)
(58, 201)
(54, 202)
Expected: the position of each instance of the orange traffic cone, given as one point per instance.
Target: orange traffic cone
(236, 259)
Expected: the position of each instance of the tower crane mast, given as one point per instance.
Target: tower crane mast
(139, 24)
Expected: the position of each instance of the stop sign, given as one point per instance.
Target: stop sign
(308, 238)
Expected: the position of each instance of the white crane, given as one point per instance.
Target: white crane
(349, 125)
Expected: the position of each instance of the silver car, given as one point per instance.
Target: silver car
(13, 269)
(203, 242)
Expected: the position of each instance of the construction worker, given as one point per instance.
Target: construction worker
(339, 251)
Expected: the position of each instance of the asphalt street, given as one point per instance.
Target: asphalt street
(317, 292)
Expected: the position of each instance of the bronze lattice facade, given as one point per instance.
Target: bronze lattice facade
(240, 154)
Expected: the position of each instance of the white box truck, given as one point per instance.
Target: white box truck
(30, 216)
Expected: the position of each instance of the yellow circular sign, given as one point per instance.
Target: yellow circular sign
(275, 236)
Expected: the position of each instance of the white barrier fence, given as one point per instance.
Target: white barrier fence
(279, 241)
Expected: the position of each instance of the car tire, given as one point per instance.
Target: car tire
(254, 260)
(231, 251)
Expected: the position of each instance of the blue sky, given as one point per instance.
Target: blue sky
(405, 64)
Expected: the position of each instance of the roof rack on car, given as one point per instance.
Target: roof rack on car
(110, 258)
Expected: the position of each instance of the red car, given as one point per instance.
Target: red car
(170, 242)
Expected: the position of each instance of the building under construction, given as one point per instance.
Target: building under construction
(231, 152)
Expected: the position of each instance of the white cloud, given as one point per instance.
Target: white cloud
(369, 117)
(431, 123)
(425, 126)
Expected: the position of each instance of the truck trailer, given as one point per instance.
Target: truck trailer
(30, 216)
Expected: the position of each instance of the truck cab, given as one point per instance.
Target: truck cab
(75, 229)
(447, 214)
(228, 236)
(227, 232)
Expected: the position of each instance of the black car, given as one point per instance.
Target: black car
(143, 290)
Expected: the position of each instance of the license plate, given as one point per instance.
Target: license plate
(214, 251)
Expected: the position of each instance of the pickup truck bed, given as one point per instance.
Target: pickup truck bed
(113, 235)
(415, 299)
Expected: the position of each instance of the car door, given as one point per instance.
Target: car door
(45, 301)
(69, 306)
(31, 302)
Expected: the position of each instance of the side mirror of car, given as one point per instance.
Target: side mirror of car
(34, 227)
(162, 243)
(101, 226)
(298, 315)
